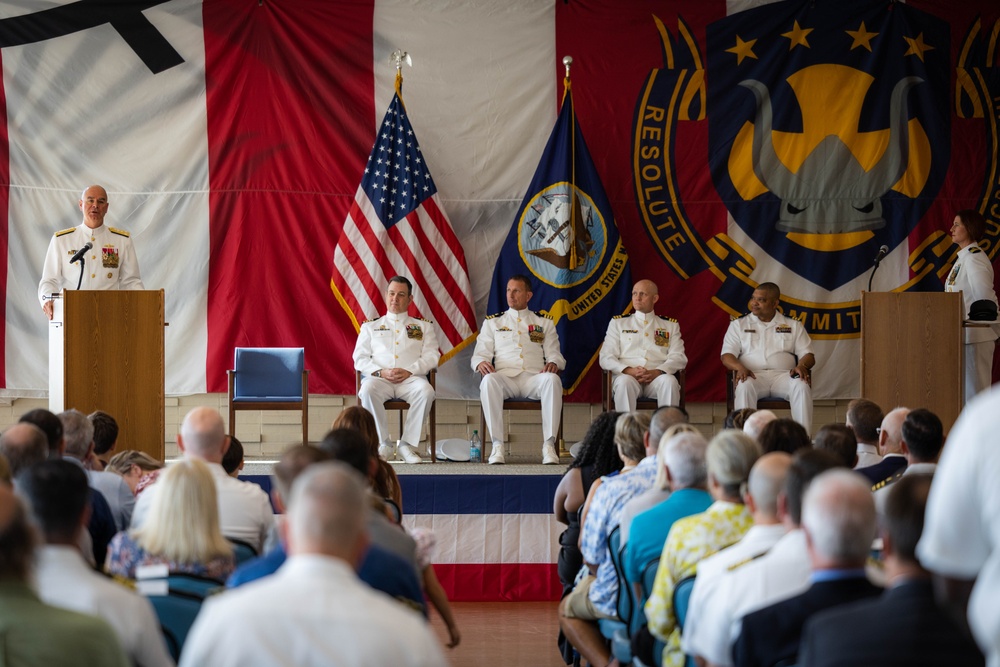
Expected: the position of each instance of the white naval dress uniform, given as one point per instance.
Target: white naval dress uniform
(647, 341)
(397, 341)
(769, 349)
(519, 344)
(110, 264)
(972, 275)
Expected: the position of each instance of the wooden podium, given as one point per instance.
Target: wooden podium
(912, 351)
(106, 353)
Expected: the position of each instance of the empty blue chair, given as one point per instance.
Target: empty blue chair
(177, 603)
(242, 551)
(269, 378)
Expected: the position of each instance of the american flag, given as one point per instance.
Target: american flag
(396, 226)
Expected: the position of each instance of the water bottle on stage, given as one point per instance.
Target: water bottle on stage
(475, 448)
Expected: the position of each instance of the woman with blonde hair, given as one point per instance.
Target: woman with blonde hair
(133, 466)
(181, 529)
(385, 483)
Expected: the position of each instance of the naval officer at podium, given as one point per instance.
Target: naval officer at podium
(110, 260)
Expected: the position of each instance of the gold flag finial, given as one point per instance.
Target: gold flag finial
(396, 59)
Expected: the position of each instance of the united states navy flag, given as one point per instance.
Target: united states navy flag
(565, 238)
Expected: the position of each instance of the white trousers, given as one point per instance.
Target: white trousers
(627, 390)
(543, 387)
(978, 367)
(415, 390)
(780, 385)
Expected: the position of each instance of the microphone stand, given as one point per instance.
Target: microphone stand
(872, 276)
(80, 281)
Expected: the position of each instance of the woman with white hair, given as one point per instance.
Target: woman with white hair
(181, 529)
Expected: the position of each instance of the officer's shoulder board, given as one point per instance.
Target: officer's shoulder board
(669, 319)
(424, 319)
(621, 317)
(738, 564)
(490, 317)
(64, 232)
(543, 315)
(891, 479)
(974, 249)
(371, 320)
(119, 232)
(738, 317)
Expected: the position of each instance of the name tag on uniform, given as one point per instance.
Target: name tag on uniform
(749, 331)
(535, 333)
(783, 329)
(630, 331)
(661, 337)
(382, 329)
(414, 332)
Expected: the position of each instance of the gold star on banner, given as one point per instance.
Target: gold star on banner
(862, 37)
(917, 47)
(797, 36)
(743, 50)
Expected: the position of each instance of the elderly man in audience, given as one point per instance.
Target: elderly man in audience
(890, 445)
(682, 462)
(730, 457)
(379, 568)
(766, 483)
(78, 432)
(314, 610)
(666, 418)
(780, 573)
(839, 440)
(244, 511)
(904, 626)
(838, 519)
(962, 530)
(864, 417)
(33, 632)
(595, 596)
(57, 493)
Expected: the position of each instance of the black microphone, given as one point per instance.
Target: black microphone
(882, 252)
(88, 245)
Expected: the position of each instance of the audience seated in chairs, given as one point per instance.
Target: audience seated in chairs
(57, 492)
(838, 519)
(35, 633)
(729, 458)
(781, 572)
(135, 467)
(244, 510)
(314, 610)
(904, 625)
(385, 482)
(596, 595)
(181, 529)
(380, 569)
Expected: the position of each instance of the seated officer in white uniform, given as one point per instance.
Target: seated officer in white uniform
(762, 348)
(643, 352)
(517, 353)
(110, 263)
(395, 353)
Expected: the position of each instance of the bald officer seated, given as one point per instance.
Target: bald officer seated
(643, 351)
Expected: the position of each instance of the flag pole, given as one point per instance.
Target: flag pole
(574, 204)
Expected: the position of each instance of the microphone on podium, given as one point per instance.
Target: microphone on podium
(882, 252)
(88, 245)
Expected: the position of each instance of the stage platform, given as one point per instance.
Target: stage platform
(497, 539)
